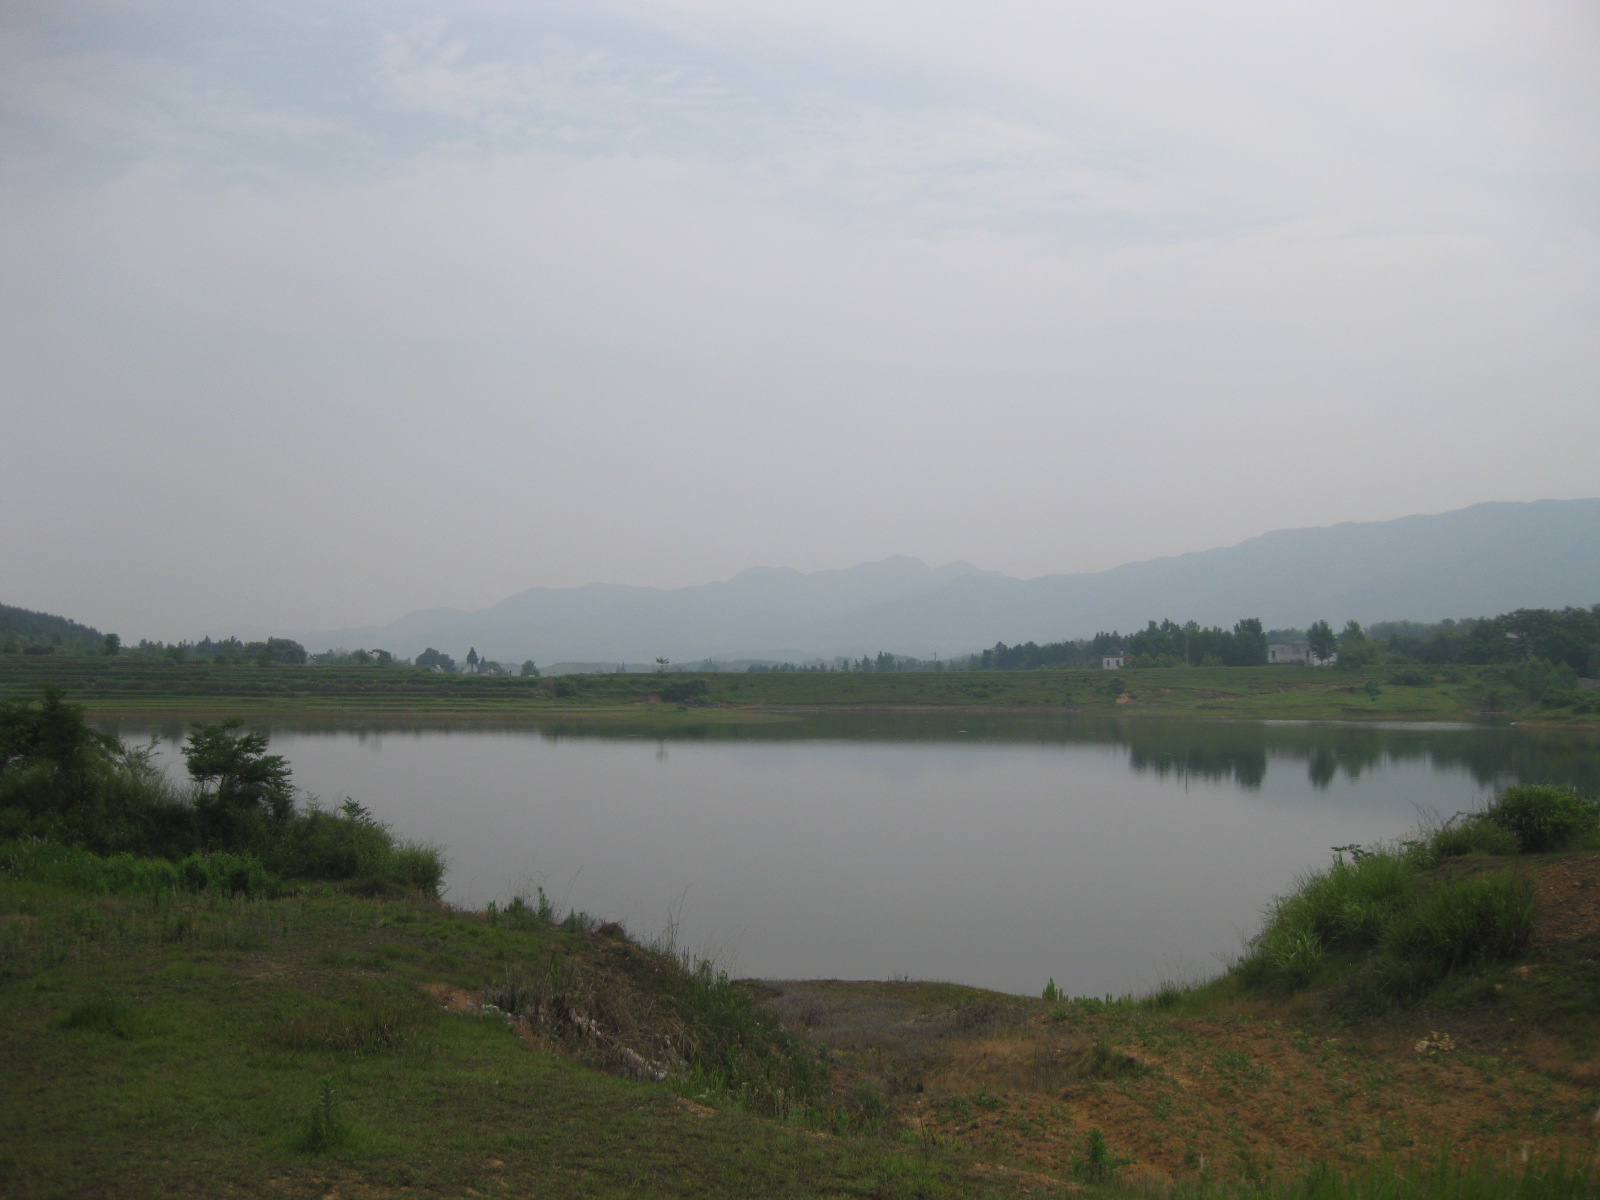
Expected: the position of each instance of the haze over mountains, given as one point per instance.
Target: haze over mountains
(1476, 561)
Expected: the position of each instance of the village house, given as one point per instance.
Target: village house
(1297, 652)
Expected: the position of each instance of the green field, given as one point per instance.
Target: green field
(129, 687)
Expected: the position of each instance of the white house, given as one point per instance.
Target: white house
(1112, 662)
(1297, 652)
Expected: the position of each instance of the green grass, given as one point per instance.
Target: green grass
(133, 688)
(268, 1046)
(1389, 925)
(205, 1045)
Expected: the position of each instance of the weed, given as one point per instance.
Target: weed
(866, 1106)
(957, 1108)
(1102, 1061)
(322, 1126)
(1096, 1163)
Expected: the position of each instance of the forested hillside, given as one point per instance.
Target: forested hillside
(25, 632)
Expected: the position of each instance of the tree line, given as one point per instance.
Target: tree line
(1565, 639)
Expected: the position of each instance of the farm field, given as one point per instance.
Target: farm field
(127, 687)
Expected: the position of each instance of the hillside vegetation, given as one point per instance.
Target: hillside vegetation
(133, 687)
(25, 632)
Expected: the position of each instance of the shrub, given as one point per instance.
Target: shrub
(1543, 816)
(220, 872)
(237, 829)
(1348, 905)
(684, 691)
(1464, 922)
(1473, 836)
(245, 776)
(1096, 1163)
(1381, 917)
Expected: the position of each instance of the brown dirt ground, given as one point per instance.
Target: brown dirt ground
(1569, 900)
(1235, 1095)
(1239, 1095)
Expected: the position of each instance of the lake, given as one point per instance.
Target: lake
(988, 849)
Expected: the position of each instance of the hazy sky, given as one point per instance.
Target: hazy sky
(313, 312)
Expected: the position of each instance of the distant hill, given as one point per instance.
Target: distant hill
(611, 623)
(25, 629)
(1476, 561)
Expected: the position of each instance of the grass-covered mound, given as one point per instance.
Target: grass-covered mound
(178, 1044)
(1386, 926)
(102, 817)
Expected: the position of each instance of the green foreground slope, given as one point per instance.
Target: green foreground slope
(202, 1046)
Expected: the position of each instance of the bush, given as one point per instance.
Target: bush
(1473, 836)
(1543, 816)
(683, 691)
(1464, 922)
(240, 873)
(349, 845)
(1348, 906)
(128, 828)
(1380, 916)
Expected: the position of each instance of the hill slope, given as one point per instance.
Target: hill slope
(1472, 562)
(22, 629)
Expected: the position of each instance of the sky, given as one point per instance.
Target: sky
(316, 313)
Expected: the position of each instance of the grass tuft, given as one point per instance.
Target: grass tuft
(322, 1127)
(112, 1015)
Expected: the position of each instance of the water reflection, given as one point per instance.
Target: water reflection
(1238, 753)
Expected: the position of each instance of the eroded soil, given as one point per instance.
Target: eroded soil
(1237, 1096)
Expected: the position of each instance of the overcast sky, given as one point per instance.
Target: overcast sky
(315, 312)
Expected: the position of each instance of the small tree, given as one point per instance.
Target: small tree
(530, 670)
(661, 665)
(472, 658)
(51, 729)
(1356, 649)
(1249, 648)
(432, 659)
(244, 776)
(111, 645)
(1322, 640)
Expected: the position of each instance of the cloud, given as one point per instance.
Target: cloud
(652, 292)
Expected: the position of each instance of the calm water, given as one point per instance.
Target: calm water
(995, 851)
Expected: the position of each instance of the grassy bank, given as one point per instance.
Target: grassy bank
(297, 1046)
(134, 688)
(216, 993)
(201, 1044)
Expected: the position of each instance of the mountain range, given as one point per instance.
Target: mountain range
(1476, 561)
